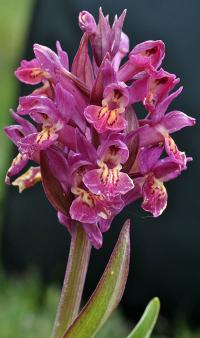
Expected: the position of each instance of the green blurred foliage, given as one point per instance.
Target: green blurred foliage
(27, 310)
(14, 21)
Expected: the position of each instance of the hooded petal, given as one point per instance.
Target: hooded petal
(167, 169)
(159, 84)
(143, 57)
(113, 150)
(48, 60)
(40, 108)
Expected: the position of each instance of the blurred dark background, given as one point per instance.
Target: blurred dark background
(165, 251)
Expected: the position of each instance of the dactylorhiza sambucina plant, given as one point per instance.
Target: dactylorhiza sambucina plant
(93, 152)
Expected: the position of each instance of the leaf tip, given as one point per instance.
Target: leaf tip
(156, 302)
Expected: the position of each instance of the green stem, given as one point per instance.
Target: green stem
(74, 280)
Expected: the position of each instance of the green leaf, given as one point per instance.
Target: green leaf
(108, 292)
(145, 326)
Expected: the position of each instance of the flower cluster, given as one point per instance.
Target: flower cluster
(94, 153)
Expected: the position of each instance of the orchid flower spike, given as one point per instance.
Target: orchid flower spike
(93, 153)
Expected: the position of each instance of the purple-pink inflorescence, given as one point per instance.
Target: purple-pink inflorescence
(94, 153)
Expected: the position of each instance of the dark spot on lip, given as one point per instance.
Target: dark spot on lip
(45, 116)
(117, 94)
(163, 80)
(114, 150)
(20, 133)
(151, 51)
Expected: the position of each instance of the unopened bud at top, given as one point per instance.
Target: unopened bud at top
(87, 22)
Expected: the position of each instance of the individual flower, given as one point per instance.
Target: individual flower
(109, 116)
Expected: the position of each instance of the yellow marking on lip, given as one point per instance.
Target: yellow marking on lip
(109, 176)
(113, 115)
(103, 111)
(28, 179)
(43, 135)
(86, 197)
(159, 188)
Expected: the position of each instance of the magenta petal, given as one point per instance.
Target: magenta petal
(84, 147)
(58, 165)
(17, 165)
(113, 150)
(112, 184)
(28, 179)
(141, 58)
(163, 105)
(149, 135)
(138, 90)
(67, 135)
(104, 224)
(62, 55)
(40, 108)
(99, 85)
(155, 196)
(160, 83)
(66, 221)
(122, 52)
(167, 169)
(92, 113)
(109, 74)
(48, 60)
(174, 153)
(65, 103)
(155, 50)
(94, 234)
(30, 72)
(102, 124)
(32, 144)
(177, 120)
(117, 32)
(82, 212)
(148, 156)
(135, 193)
(15, 133)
